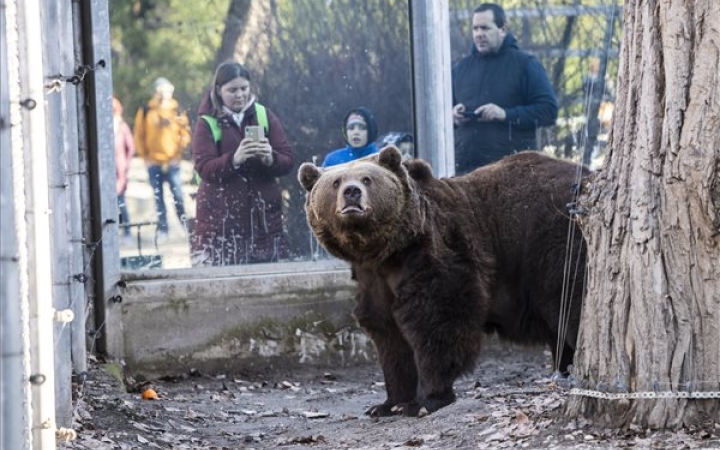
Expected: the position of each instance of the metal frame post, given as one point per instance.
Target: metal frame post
(13, 420)
(432, 84)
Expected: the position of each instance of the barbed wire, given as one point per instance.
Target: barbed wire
(57, 82)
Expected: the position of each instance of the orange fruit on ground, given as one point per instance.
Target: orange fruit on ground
(149, 394)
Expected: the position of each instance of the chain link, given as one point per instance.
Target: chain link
(643, 395)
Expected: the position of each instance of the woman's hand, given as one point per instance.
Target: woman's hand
(253, 149)
(264, 152)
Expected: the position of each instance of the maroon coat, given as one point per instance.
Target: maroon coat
(239, 211)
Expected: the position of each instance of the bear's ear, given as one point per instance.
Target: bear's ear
(308, 174)
(419, 170)
(391, 158)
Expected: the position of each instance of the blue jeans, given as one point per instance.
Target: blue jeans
(124, 216)
(158, 175)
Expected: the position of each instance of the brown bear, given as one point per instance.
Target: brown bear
(440, 262)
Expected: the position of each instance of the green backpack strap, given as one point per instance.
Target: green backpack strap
(216, 134)
(262, 118)
(214, 127)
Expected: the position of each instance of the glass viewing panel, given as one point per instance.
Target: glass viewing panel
(310, 61)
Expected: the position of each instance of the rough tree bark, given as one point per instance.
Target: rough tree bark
(651, 319)
(247, 29)
(235, 22)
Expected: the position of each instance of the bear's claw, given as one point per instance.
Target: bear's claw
(410, 409)
(381, 410)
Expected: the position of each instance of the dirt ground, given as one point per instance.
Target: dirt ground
(508, 402)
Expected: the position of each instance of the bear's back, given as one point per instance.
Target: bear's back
(517, 206)
(512, 219)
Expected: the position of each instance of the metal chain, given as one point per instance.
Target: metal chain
(516, 391)
(643, 395)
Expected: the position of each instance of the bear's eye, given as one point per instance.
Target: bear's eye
(366, 181)
(336, 184)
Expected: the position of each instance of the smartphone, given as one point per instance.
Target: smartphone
(469, 114)
(255, 132)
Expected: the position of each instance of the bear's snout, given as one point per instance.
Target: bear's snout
(352, 199)
(352, 194)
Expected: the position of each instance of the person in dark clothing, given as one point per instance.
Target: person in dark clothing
(359, 131)
(239, 217)
(501, 95)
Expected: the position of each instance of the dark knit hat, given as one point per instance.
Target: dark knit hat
(369, 120)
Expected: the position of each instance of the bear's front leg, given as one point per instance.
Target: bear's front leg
(425, 404)
(398, 366)
(441, 314)
(374, 313)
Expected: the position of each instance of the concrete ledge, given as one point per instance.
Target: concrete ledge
(240, 319)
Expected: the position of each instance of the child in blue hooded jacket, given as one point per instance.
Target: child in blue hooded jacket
(359, 131)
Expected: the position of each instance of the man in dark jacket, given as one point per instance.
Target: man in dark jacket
(501, 95)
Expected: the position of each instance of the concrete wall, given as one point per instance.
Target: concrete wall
(234, 320)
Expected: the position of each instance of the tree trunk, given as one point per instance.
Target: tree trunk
(248, 29)
(651, 318)
(235, 23)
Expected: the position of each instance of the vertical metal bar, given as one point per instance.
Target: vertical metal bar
(74, 175)
(432, 84)
(37, 217)
(82, 184)
(101, 167)
(12, 418)
(62, 155)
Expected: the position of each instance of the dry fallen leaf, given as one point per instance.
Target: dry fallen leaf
(303, 440)
(315, 414)
(489, 430)
(179, 426)
(496, 437)
(521, 417)
(414, 442)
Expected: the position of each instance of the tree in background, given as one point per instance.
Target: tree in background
(174, 39)
(313, 60)
(651, 318)
(319, 59)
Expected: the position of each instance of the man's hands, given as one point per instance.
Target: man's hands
(485, 113)
(253, 149)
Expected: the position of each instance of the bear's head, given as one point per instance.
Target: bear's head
(365, 210)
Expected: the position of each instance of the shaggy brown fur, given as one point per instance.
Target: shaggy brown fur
(439, 262)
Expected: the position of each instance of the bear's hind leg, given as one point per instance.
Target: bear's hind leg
(566, 359)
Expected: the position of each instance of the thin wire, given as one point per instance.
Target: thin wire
(567, 292)
(75, 298)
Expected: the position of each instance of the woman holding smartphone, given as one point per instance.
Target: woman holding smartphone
(239, 149)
